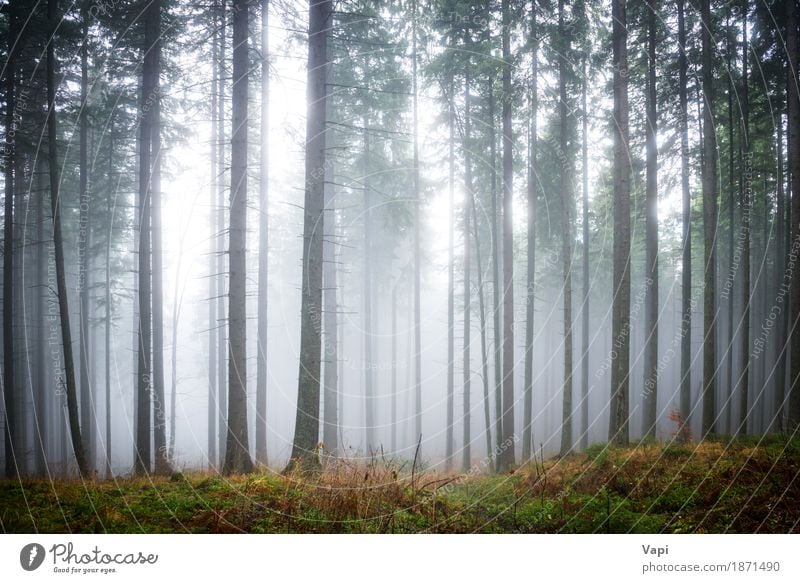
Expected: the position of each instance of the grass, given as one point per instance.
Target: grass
(742, 486)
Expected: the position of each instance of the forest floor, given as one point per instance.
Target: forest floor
(743, 486)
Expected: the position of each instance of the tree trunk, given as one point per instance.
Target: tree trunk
(530, 293)
(496, 309)
(620, 323)
(9, 152)
(487, 415)
(263, 248)
(565, 186)
(686, 241)
(467, 361)
(394, 368)
(306, 433)
(109, 313)
(709, 175)
(584, 435)
(650, 392)
(142, 460)
(222, 340)
(212, 254)
(417, 237)
(507, 457)
(369, 336)
(162, 462)
(745, 192)
(779, 286)
(84, 330)
(237, 452)
(68, 380)
(450, 285)
(330, 426)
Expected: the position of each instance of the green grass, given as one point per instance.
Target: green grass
(715, 486)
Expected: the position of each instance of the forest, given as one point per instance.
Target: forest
(400, 266)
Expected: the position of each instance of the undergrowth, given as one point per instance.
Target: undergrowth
(713, 486)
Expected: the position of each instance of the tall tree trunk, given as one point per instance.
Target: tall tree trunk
(565, 186)
(330, 426)
(212, 253)
(584, 435)
(222, 340)
(686, 240)
(84, 330)
(9, 152)
(393, 404)
(467, 361)
(369, 336)
(417, 237)
(496, 309)
(709, 175)
(620, 322)
(450, 284)
(745, 192)
(142, 459)
(44, 408)
(530, 293)
(109, 312)
(650, 392)
(779, 285)
(306, 432)
(733, 266)
(507, 456)
(68, 379)
(263, 248)
(162, 462)
(237, 451)
(487, 415)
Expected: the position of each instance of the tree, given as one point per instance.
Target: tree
(8, 249)
(620, 323)
(449, 441)
(650, 392)
(530, 295)
(467, 362)
(263, 247)
(565, 186)
(686, 240)
(507, 456)
(709, 178)
(68, 378)
(237, 454)
(747, 209)
(142, 457)
(212, 252)
(306, 432)
(417, 235)
(84, 235)
(793, 101)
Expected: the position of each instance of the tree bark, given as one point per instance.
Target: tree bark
(306, 433)
(584, 435)
(709, 176)
(793, 99)
(620, 324)
(67, 379)
(212, 253)
(686, 240)
(650, 391)
(417, 238)
(263, 248)
(530, 293)
(745, 192)
(467, 361)
(84, 226)
(9, 152)
(237, 451)
(507, 455)
(449, 440)
(565, 186)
